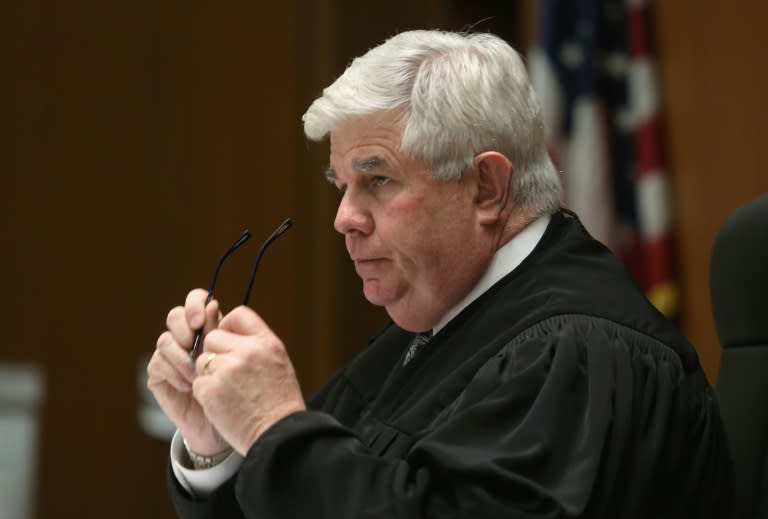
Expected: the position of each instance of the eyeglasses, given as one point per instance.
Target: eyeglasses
(194, 351)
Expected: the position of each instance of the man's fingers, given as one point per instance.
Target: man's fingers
(212, 316)
(175, 355)
(179, 327)
(243, 321)
(194, 306)
(160, 371)
(210, 362)
(220, 341)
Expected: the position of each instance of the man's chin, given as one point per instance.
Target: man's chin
(397, 308)
(378, 295)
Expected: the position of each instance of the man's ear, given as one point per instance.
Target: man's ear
(494, 179)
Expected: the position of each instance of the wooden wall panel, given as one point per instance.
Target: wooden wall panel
(713, 85)
(141, 139)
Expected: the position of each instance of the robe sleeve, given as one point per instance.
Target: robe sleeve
(545, 429)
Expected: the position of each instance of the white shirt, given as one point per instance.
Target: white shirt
(203, 482)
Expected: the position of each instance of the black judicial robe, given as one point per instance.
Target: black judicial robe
(560, 392)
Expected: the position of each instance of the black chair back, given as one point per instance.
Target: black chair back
(739, 290)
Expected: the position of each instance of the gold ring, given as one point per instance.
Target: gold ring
(207, 363)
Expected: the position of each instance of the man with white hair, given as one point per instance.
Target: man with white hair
(524, 374)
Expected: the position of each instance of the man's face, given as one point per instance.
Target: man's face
(415, 242)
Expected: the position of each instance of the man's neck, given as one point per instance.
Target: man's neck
(506, 259)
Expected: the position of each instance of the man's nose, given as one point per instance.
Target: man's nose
(351, 216)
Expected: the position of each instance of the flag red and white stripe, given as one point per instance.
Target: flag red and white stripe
(593, 70)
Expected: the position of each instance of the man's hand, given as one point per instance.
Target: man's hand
(246, 381)
(170, 376)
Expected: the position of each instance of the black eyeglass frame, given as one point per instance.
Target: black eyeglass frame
(245, 236)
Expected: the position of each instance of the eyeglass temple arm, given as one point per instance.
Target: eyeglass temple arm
(193, 352)
(275, 235)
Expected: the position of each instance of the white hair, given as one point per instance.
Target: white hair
(459, 95)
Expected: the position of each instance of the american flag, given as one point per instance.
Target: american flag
(593, 70)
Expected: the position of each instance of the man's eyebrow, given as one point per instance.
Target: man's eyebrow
(362, 166)
(368, 164)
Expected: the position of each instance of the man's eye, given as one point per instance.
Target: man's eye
(381, 181)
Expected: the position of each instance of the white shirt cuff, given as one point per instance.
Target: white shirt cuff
(203, 482)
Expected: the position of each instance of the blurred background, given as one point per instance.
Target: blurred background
(138, 139)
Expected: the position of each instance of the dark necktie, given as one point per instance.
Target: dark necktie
(418, 341)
